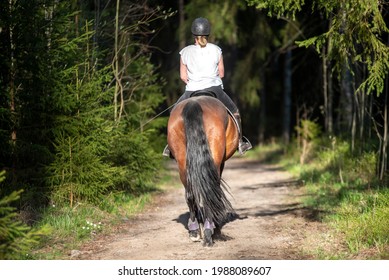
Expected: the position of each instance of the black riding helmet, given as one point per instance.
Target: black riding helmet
(201, 27)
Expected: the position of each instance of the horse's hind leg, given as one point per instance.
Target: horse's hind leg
(194, 230)
(208, 232)
(193, 225)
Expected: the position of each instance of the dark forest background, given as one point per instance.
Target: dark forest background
(85, 87)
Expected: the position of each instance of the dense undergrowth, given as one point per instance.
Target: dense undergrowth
(342, 188)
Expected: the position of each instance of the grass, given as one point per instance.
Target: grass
(72, 227)
(270, 153)
(342, 188)
(69, 228)
(363, 216)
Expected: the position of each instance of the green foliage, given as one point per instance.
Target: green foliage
(270, 153)
(278, 7)
(333, 156)
(137, 161)
(25, 83)
(95, 152)
(308, 130)
(333, 153)
(355, 34)
(364, 219)
(57, 92)
(343, 189)
(357, 39)
(221, 16)
(342, 192)
(245, 80)
(16, 238)
(78, 173)
(82, 132)
(307, 133)
(70, 227)
(73, 224)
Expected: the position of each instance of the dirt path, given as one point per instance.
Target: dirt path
(271, 223)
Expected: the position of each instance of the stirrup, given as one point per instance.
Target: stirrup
(244, 145)
(166, 152)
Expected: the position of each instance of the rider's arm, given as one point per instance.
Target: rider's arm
(183, 72)
(221, 67)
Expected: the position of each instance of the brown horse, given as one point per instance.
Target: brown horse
(201, 137)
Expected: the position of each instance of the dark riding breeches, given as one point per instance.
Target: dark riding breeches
(220, 94)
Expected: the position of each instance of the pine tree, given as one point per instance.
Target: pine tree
(100, 140)
(16, 238)
(58, 133)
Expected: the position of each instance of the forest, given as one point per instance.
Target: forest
(86, 88)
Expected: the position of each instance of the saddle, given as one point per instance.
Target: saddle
(205, 92)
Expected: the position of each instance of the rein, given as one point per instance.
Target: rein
(156, 116)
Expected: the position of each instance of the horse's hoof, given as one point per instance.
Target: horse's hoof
(194, 235)
(208, 242)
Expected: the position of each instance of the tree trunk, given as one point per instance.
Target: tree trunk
(345, 117)
(262, 110)
(384, 151)
(12, 90)
(96, 26)
(287, 96)
(327, 92)
(327, 87)
(330, 113)
(116, 62)
(181, 28)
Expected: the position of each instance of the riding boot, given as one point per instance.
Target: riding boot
(166, 152)
(244, 143)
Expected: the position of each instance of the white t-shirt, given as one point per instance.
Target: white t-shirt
(202, 65)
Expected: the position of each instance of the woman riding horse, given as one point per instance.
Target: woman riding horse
(202, 134)
(202, 69)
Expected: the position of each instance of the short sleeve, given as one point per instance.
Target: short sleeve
(183, 55)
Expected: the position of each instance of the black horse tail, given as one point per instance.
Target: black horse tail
(203, 180)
